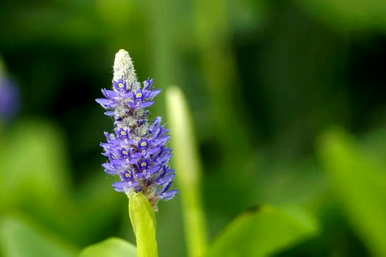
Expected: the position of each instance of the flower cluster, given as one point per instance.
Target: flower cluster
(136, 150)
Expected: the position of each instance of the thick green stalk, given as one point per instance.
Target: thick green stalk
(144, 225)
(189, 171)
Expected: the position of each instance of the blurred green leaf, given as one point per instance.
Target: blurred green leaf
(360, 183)
(33, 166)
(18, 238)
(187, 160)
(112, 247)
(262, 232)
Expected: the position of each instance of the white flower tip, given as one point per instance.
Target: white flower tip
(122, 55)
(124, 67)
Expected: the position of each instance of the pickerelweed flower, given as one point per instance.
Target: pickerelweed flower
(136, 150)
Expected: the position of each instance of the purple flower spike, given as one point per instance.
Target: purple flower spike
(136, 150)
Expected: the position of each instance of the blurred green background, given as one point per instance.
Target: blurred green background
(288, 101)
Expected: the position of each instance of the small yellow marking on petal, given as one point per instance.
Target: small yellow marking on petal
(127, 175)
(138, 95)
(143, 143)
(125, 152)
(143, 164)
(123, 133)
(120, 85)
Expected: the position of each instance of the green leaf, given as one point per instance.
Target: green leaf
(186, 159)
(360, 183)
(263, 231)
(20, 238)
(112, 247)
(143, 220)
(33, 166)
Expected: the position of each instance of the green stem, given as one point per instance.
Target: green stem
(189, 175)
(142, 218)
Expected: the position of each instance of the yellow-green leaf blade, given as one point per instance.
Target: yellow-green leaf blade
(188, 166)
(360, 183)
(262, 232)
(112, 247)
(21, 238)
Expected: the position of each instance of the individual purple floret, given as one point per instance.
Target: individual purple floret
(136, 150)
(9, 99)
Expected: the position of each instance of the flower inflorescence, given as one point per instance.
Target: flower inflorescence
(136, 150)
